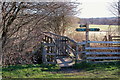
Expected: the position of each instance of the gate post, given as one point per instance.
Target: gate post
(77, 56)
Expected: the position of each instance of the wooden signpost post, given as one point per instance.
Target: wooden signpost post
(87, 29)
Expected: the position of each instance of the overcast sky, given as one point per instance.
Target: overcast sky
(95, 8)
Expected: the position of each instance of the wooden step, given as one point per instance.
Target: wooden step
(115, 36)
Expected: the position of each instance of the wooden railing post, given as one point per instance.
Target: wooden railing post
(44, 59)
(77, 50)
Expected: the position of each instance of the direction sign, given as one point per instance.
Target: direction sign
(82, 25)
(90, 29)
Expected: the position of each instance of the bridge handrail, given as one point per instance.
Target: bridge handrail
(50, 33)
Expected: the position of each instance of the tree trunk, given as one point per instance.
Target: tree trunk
(0, 36)
(119, 17)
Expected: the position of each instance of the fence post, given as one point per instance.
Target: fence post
(104, 39)
(77, 50)
(87, 34)
(109, 37)
(83, 55)
(88, 44)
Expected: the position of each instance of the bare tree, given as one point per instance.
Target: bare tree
(9, 13)
(116, 11)
(22, 24)
(62, 17)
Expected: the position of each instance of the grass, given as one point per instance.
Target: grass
(80, 70)
(100, 70)
(104, 27)
(29, 71)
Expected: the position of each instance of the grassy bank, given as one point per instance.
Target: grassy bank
(81, 70)
(100, 70)
(29, 71)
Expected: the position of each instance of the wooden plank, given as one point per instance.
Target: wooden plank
(81, 43)
(68, 46)
(116, 39)
(106, 61)
(115, 44)
(100, 53)
(90, 58)
(107, 42)
(118, 42)
(71, 40)
(65, 62)
(92, 48)
(115, 36)
(49, 34)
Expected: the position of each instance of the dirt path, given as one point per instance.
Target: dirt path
(67, 70)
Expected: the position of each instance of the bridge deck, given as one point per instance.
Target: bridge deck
(65, 62)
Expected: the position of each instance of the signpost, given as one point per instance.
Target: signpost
(87, 34)
(87, 29)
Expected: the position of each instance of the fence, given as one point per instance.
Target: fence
(103, 53)
(55, 46)
(111, 38)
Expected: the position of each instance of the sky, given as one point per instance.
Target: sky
(95, 8)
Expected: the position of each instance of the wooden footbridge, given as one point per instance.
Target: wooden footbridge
(64, 51)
